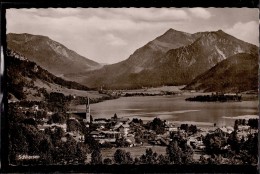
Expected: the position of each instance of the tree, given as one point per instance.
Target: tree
(73, 125)
(193, 129)
(136, 161)
(18, 143)
(121, 142)
(184, 127)
(233, 141)
(30, 121)
(187, 154)
(122, 157)
(250, 148)
(174, 153)
(55, 134)
(107, 145)
(14, 114)
(96, 157)
(41, 114)
(214, 143)
(236, 125)
(129, 158)
(46, 145)
(253, 123)
(58, 133)
(107, 161)
(179, 138)
(157, 125)
(162, 160)
(138, 140)
(202, 160)
(58, 118)
(70, 148)
(243, 122)
(92, 143)
(217, 159)
(81, 152)
(246, 158)
(149, 157)
(46, 148)
(138, 121)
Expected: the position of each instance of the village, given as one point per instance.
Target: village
(122, 132)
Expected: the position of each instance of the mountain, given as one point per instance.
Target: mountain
(174, 58)
(237, 73)
(33, 82)
(122, 74)
(49, 54)
(184, 64)
(145, 56)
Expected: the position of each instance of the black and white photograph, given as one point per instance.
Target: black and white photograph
(135, 86)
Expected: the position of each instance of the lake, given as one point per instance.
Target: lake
(173, 109)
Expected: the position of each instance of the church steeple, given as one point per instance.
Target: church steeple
(88, 111)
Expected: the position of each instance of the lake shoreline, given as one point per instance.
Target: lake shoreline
(172, 108)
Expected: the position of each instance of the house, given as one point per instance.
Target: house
(171, 129)
(35, 107)
(117, 126)
(109, 136)
(224, 131)
(243, 128)
(123, 120)
(124, 129)
(53, 125)
(105, 136)
(145, 135)
(79, 137)
(230, 129)
(101, 124)
(97, 134)
(159, 141)
(101, 120)
(45, 120)
(148, 135)
(130, 142)
(195, 142)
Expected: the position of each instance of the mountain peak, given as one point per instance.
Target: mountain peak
(173, 35)
(220, 31)
(173, 31)
(49, 54)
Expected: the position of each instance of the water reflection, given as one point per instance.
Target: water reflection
(172, 108)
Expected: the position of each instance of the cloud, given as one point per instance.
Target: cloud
(200, 13)
(247, 31)
(118, 32)
(137, 14)
(52, 12)
(114, 41)
(152, 14)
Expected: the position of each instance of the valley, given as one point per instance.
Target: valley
(67, 109)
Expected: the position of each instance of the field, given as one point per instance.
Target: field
(57, 88)
(135, 151)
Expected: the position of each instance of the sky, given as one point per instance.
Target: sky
(110, 35)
